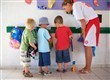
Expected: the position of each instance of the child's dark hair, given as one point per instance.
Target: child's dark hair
(58, 19)
(65, 2)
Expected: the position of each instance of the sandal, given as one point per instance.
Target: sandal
(64, 70)
(46, 73)
(59, 70)
(41, 72)
(84, 71)
(29, 74)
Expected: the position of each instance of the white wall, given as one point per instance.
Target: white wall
(16, 13)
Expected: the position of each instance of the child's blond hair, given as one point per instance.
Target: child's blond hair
(30, 23)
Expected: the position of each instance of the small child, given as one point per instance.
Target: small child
(43, 46)
(27, 40)
(63, 35)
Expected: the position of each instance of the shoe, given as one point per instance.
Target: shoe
(84, 72)
(64, 70)
(41, 73)
(59, 70)
(46, 73)
(29, 74)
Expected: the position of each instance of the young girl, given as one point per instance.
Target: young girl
(90, 26)
(27, 40)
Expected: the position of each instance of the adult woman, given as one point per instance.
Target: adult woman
(90, 27)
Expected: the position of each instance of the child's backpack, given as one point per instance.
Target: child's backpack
(15, 37)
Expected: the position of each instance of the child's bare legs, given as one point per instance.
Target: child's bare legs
(65, 66)
(46, 69)
(40, 69)
(26, 69)
(59, 66)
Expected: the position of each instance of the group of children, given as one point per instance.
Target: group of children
(90, 30)
(62, 34)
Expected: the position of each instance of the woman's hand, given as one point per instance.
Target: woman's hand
(83, 35)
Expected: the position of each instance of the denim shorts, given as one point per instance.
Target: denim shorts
(62, 56)
(44, 59)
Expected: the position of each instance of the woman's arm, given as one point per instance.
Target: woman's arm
(83, 24)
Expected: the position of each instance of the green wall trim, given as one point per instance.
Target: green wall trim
(104, 30)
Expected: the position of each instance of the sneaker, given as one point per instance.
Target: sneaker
(64, 70)
(46, 73)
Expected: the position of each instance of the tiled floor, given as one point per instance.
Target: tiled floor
(96, 74)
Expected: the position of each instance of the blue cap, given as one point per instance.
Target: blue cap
(43, 20)
(74, 62)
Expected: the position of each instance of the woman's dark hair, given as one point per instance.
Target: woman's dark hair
(65, 2)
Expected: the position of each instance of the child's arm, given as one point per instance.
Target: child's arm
(50, 40)
(70, 33)
(33, 45)
(48, 36)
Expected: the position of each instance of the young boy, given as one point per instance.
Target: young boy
(43, 46)
(27, 40)
(63, 35)
(90, 26)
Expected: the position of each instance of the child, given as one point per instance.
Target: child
(27, 40)
(43, 46)
(63, 35)
(90, 27)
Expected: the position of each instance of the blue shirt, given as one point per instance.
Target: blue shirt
(43, 37)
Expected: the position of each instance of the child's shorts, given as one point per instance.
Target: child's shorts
(92, 32)
(44, 59)
(62, 56)
(25, 61)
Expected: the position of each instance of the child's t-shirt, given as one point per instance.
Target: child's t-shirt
(43, 37)
(62, 35)
(27, 38)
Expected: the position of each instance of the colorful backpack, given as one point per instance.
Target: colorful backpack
(15, 37)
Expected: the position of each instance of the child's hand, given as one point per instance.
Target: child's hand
(33, 45)
(35, 48)
(71, 37)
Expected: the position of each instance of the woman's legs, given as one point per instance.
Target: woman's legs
(88, 57)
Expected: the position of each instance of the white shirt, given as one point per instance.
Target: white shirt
(82, 10)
